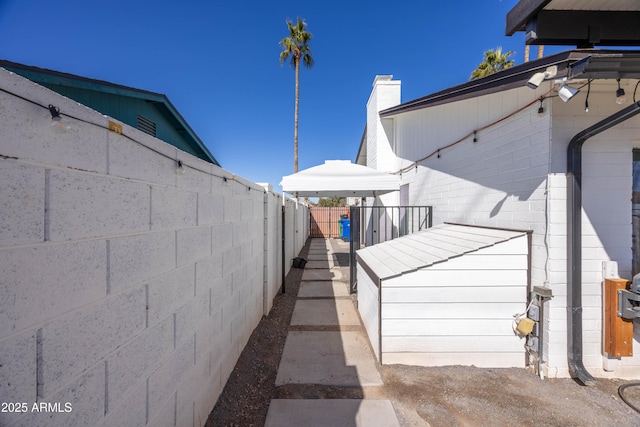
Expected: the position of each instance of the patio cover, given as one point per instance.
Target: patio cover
(340, 178)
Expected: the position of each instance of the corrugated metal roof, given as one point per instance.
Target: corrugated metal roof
(426, 248)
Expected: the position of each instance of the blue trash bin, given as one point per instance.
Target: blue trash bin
(346, 229)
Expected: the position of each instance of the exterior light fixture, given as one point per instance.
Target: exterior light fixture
(55, 113)
(56, 119)
(567, 92)
(180, 170)
(620, 95)
(538, 78)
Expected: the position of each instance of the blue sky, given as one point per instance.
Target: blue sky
(218, 62)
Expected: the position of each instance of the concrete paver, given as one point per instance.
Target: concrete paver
(315, 356)
(322, 274)
(331, 412)
(340, 358)
(325, 312)
(315, 289)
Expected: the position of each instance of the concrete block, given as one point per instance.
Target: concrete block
(164, 381)
(210, 209)
(197, 176)
(134, 259)
(207, 271)
(230, 261)
(68, 276)
(83, 205)
(222, 237)
(208, 334)
(207, 397)
(81, 402)
(130, 410)
(136, 359)
(165, 414)
(21, 203)
(30, 136)
(188, 317)
(169, 292)
(17, 372)
(72, 343)
(171, 208)
(221, 291)
(193, 244)
(128, 159)
(188, 392)
(231, 209)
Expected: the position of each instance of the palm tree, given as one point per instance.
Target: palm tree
(296, 46)
(494, 61)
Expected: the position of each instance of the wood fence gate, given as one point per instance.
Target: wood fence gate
(325, 222)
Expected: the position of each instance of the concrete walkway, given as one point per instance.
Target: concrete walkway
(327, 345)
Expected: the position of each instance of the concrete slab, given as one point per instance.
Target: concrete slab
(323, 289)
(340, 358)
(319, 257)
(331, 412)
(315, 275)
(325, 312)
(326, 264)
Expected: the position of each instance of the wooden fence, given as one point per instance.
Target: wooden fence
(325, 222)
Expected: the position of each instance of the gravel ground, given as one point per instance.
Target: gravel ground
(439, 396)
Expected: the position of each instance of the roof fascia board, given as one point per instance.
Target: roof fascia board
(42, 75)
(71, 80)
(521, 13)
(507, 79)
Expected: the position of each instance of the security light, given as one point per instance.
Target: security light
(620, 95)
(538, 78)
(567, 92)
(55, 112)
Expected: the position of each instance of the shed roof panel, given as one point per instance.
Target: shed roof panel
(426, 248)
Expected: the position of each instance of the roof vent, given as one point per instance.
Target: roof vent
(146, 125)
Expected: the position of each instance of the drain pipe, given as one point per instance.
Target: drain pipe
(574, 240)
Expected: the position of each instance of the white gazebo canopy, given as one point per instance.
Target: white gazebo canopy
(340, 178)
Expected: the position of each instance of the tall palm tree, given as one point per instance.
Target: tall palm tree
(494, 61)
(296, 46)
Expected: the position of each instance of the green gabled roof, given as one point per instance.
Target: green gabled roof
(159, 101)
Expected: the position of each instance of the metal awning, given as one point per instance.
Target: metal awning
(340, 178)
(615, 65)
(578, 22)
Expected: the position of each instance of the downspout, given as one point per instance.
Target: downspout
(574, 240)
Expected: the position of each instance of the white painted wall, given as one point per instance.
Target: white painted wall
(385, 94)
(514, 177)
(458, 312)
(128, 290)
(606, 223)
(500, 180)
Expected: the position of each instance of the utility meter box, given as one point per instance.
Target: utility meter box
(618, 332)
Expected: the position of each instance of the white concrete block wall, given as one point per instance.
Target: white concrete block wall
(128, 290)
(606, 225)
(499, 180)
(514, 176)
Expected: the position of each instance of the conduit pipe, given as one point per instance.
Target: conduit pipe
(574, 239)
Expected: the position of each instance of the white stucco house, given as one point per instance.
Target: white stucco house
(499, 152)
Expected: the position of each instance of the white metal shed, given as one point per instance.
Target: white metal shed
(446, 296)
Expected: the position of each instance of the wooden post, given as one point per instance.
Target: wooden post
(618, 332)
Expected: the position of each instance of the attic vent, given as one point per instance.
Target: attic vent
(146, 125)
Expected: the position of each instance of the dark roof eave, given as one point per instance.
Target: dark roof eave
(507, 79)
(73, 80)
(521, 13)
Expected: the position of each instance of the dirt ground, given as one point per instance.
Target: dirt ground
(439, 396)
